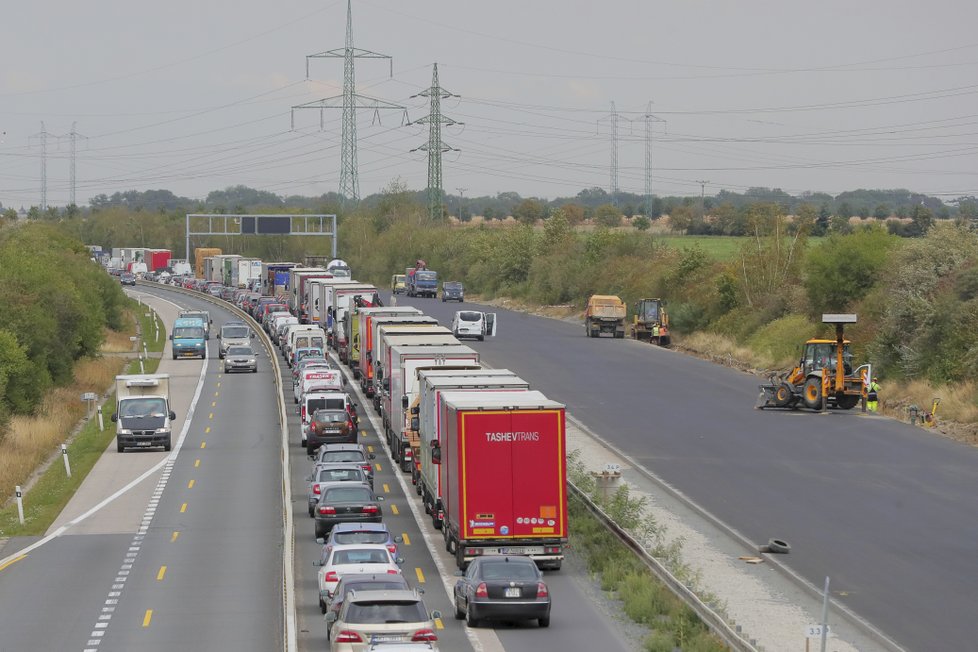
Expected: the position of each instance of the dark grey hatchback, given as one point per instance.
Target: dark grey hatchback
(452, 291)
(346, 505)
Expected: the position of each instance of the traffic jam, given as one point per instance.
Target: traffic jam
(485, 452)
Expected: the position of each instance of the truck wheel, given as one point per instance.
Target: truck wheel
(782, 395)
(460, 556)
(812, 394)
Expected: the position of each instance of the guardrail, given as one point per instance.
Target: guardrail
(713, 620)
(291, 640)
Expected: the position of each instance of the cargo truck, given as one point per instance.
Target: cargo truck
(351, 326)
(143, 415)
(200, 254)
(298, 276)
(157, 260)
(369, 362)
(434, 337)
(404, 361)
(421, 282)
(382, 330)
(361, 333)
(504, 476)
(341, 299)
(245, 272)
(275, 278)
(319, 297)
(425, 421)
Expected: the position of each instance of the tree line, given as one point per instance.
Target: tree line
(56, 304)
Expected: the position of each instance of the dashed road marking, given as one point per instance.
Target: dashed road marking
(439, 624)
(148, 617)
(420, 575)
(173, 537)
(394, 510)
(183, 508)
(387, 488)
(203, 444)
(190, 485)
(196, 463)
(406, 539)
(159, 576)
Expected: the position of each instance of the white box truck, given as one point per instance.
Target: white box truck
(143, 416)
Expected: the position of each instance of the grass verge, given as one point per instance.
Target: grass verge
(31, 440)
(645, 600)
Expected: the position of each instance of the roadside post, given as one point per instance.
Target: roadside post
(64, 455)
(135, 342)
(142, 367)
(20, 503)
(101, 423)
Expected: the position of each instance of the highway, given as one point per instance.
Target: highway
(887, 510)
(186, 559)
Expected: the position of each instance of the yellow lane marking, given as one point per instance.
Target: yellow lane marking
(420, 575)
(148, 617)
(12, 562)
(159, 576)
(196, 463)
(183, 508)
(210, 416)
(203, 444)
(370, 449)
(439, 624)
(394, 510)
(213, 404)
(217, 393)
(406, 538)
(363, 433)
(218, 383)
(173, 537)
(387, 488)
(377, 466)
(207, 430)
(190, 485)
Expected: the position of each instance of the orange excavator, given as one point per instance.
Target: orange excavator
(824, 377)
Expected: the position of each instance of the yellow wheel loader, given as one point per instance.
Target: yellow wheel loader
(650, 322)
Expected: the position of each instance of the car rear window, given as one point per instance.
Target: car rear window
(237, 331)
(342, 456)
(329, 416)
(469, 316)
(386, 611)
(342, 475)
(501, 570)
(360, 556)
(361, 537)
(375, 585)
(348, 494)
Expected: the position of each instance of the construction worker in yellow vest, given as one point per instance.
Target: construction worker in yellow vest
(872, 395)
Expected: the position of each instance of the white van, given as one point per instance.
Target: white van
(234, 334)
(302, 335)
(317, 379)
(472, 323)
(313, 401)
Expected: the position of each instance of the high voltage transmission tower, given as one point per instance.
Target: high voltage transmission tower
(435, 146)
(43, 137)
(350, 101)
(73, 137)
(649, 119)
(613, 186)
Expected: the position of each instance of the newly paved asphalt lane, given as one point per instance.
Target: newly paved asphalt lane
(887, 510)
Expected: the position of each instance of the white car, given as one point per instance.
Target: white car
(469, 323)
(359, 558)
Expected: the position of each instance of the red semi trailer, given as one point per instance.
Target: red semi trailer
(504, 475)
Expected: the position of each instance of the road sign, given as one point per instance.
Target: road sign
(815, 631)
(89, 396)
(612, 468)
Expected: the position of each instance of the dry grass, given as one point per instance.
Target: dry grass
(29, 440)
(119, 342)
(725, 350)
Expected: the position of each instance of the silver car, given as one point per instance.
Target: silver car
(240, 358)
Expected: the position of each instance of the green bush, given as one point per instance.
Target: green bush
(845, 267)
(781, 340)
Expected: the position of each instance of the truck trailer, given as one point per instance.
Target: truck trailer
(504, 472)
(361, 332)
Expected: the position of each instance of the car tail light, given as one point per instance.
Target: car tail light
(303, 412)
(542, 591)
(392, 548)
(408, 454)
(370, 509)
(327, 510)
(316, 488)
(347, 636)
(424, 635)
(331, 576)
(551, 550)
(473, 552)
(481, 591)
(366, 467)
(441, 515)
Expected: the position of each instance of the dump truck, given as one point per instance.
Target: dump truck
(143, 415)
(650, 322)
(504, 476)
(824, 376)
(605, 314)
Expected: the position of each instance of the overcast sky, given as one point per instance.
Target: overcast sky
(195, 95)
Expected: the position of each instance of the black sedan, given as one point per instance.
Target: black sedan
(339, 504)
(498, 587)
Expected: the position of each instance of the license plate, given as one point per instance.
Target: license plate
(531, 550)
(384, 638)
(513, 592)
(143, 443)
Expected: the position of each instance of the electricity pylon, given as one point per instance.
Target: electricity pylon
(435, 145)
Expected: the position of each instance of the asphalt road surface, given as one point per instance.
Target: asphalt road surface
(887, 510)
(197, 565)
